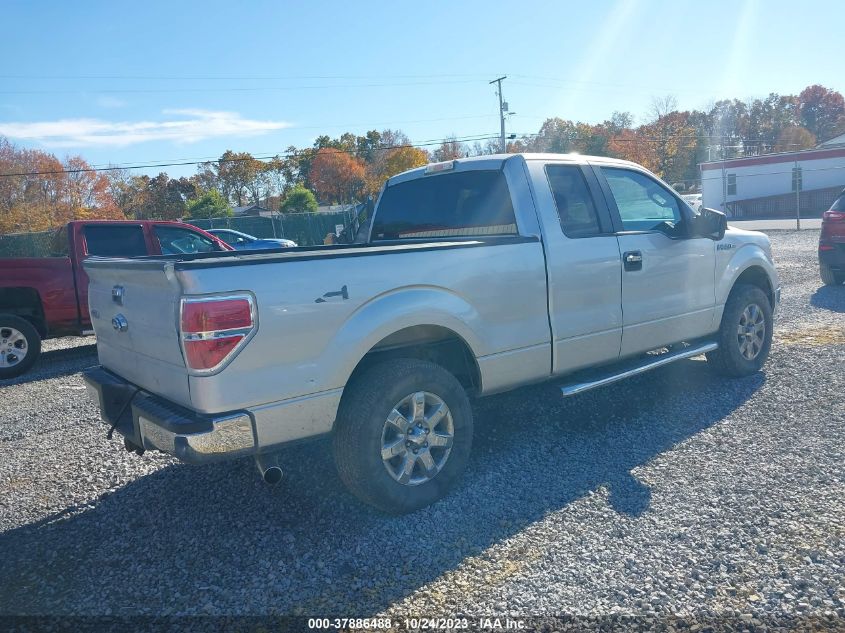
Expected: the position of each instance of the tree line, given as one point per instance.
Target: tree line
(350, 167)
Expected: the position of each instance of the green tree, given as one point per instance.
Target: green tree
(299, 200)
(209, 205)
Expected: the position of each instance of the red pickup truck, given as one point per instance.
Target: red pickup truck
(46, 297)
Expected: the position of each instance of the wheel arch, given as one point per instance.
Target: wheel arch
(435, 343)
(756, 275)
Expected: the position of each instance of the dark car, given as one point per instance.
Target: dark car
(832, 243)
(244, 242)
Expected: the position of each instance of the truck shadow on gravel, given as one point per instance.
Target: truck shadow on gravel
(829, 298)
(214, 539)
(56, 363)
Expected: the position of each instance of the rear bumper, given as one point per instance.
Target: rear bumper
(153, 423)
(835, 257)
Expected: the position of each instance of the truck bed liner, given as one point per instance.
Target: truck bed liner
(251, 258)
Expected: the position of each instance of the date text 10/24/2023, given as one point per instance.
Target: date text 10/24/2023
(417, 624)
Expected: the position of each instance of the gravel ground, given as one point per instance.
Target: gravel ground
(675, 493)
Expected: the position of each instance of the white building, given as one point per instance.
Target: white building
(765, 186)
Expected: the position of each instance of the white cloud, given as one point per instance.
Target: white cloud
(184, 126)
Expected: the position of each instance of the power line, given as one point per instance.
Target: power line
(241, 77)
(233, 89)
(300, 154)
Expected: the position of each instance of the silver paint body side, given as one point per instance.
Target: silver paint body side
(527, 310)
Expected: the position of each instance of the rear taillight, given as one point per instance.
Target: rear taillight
(834, 216)
(214, 329)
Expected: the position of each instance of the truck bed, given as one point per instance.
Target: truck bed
(302, 253)
(321, 312)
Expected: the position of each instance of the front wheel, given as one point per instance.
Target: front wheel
(745, 335)
(20, 345)
(403, 434)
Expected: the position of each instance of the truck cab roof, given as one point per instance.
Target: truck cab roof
(495, 161)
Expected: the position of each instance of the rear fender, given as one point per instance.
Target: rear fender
(391, 312)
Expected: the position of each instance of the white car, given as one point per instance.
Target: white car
(693, 200)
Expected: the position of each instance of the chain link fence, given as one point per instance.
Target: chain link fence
(306, 229)
(42, 244)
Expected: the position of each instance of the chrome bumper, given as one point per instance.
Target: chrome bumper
(153, 423)
(228, 437)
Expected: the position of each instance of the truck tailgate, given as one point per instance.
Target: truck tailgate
(134, 310)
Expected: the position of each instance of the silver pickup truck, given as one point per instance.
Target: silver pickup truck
(479, 275)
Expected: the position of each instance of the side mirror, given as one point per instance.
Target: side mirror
(709, 223)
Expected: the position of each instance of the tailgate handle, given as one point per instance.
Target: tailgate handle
(120, 323)
(633, 260)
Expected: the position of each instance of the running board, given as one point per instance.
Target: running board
(639, 368)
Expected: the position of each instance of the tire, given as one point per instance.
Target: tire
(830, 278)
(20, 346)
(732, 357)
(367, 426)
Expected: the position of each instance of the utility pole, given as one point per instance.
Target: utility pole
(796, 178)
(502, 108)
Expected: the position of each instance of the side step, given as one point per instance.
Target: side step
(639, 367)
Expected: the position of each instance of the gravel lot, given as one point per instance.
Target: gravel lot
(677, 492)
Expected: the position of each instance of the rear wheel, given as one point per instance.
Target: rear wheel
(745, 335)
(403, 435)
(20, 345)
(829, 277)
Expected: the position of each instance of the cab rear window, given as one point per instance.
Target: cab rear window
(460, 204)
(116, 240)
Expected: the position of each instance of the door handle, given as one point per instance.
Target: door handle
(633, 260)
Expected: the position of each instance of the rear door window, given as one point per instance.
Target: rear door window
(460, 204)
(575, 208)
(115, 241)
(177, 241)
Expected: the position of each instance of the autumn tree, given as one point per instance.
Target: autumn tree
(556, 135)
(450, 150)
(395, 161)
(672, 141)
(39, 192)
(794, 138)
(238, 176)
(632, 145)
(336, 176)
(211, 204)
(822, 111)
(299, 200)
(767, 120)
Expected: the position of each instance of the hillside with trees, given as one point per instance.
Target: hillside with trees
(39, 190)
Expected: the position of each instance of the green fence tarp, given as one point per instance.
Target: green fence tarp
(306, 229)
(31, 245)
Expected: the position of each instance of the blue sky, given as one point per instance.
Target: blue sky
(159, 81)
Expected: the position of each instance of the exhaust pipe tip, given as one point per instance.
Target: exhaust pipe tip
(272, 475)
(268, 468)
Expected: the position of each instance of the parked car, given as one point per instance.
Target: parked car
(694, 200)
(243, 242)
(45, 297)
(479, 275)
(832, 243)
